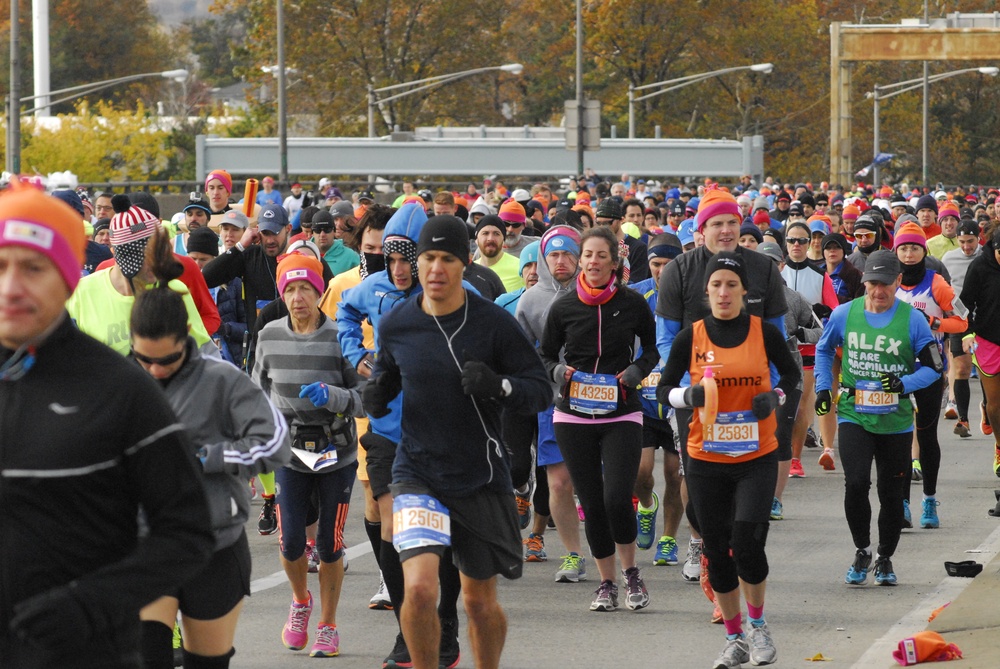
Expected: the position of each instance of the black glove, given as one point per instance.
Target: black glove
(33, 618)
(480, 381)
(632, 378)
(694, 396)
(376, 397)
(821, 310)
(891, 383)
(824, 402)
(763, 404)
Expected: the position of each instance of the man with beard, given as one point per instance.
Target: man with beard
(254, 259)
(490, 234)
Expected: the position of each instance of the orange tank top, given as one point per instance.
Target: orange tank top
(740, 373)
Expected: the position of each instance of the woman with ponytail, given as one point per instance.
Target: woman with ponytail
(598, 416)
(102, 305)
(237, 434)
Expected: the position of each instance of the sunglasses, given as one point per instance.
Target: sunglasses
(864, 235)
(515, 225)
(162, 362)
(322, 228)
(797, 240)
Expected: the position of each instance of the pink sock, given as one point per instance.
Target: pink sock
(755, 612)
(734, 625)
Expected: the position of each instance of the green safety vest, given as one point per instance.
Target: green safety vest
(869, 351)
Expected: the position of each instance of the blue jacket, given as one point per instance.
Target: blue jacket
(509, 300)
(232, 311)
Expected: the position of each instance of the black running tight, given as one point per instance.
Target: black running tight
(603, 461)
(926, 419)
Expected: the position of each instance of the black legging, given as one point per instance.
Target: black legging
(928, 412)
(785, 416)
(519, 432)
(540, 498)
(603, 462)
(891, 453)
(733, 503)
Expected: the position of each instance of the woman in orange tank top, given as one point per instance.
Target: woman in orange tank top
(732, 468)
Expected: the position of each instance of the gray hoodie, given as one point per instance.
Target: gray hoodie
(237, 429)
(533, 307)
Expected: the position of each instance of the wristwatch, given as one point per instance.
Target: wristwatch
(781, 396)
(506, 388)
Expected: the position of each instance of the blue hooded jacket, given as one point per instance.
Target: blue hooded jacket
(375, 296)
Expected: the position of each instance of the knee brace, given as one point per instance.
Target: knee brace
(749, 540)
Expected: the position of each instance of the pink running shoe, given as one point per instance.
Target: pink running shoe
(327, 642)
(295, 634)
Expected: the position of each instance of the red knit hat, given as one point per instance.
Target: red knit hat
(31, 219)
(131, 223)
(299, 267)
(762, 217)
(715, 202)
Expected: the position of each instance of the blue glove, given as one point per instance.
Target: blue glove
(317, 393)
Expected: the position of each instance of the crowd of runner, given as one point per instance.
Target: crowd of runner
(291, 346)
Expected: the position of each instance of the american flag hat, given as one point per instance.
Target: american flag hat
(131, 223)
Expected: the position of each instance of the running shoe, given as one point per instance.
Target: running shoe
(762, 650)
(796, 471)
(253, 488)
(523, 510)
(327, 642)
(573, 569)
(535, 548)
(996, 460)
(312, 557)
(380, 601)
(884, 575)
(857, 573)
(646, 522)
(929, 518)
(962, 429)
(399, 658)
(450, 653)
(636, 595)
(295, 634)
(666, 552)
(826, 460)
(606, 597)
(907, 518)
(951, 411)
(734, 654)
(268, 521)
(777, 510)
(917, 473)
(706, 586)
(984, 420)
(811, 440)
(178, 645)
(347, 564)
(579, 512)
(716, 618)
(692, 562)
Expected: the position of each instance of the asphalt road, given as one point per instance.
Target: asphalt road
(809, 609)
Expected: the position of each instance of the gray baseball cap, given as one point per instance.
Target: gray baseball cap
(235, 218)
(882, 266)
(341, 209)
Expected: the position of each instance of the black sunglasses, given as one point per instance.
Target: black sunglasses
(797, 240)
(514, 225)
(162, 362)
(322, 228)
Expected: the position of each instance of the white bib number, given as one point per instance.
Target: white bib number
(649, 383)
(419, 521)
(593, 394)
(869, 397)
(734, 433)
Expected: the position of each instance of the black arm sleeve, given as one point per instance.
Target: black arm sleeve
(677, 364)
(226, 267)
(778, 353)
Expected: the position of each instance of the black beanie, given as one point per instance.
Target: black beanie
(495, 221)
(144, 200)
(734, 262)
(203, 240)
(445, 233)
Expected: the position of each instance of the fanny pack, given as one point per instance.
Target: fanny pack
(319, 438)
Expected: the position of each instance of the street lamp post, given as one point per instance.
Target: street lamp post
(425, 84)
(899, 87)
(13, 113)
(674, 84)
